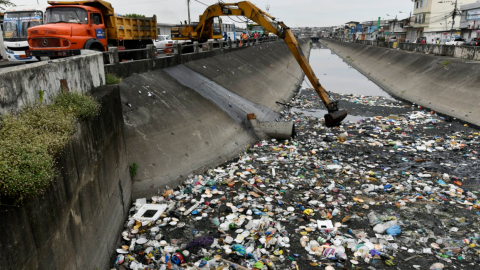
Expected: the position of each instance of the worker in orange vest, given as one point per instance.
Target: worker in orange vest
(243, 37)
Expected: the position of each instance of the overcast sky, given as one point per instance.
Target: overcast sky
(293, 12)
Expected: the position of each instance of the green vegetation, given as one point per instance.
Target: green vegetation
(133, 15)
(112, 79)
(445, 63)
(30, 141)
(40, 95)
(348, 56)
(381, 39)
(133, 169)
(82, 106)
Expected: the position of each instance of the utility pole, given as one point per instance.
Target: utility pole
(188, 4)
(453, 17)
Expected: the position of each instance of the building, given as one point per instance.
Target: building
(434, 19)
(164, 28)
(351, 30)
(369, 28)
(399, 28)
(470, 20)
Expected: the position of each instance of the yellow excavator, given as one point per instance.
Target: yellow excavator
(209, 27)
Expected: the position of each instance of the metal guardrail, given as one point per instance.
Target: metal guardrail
(113, 54)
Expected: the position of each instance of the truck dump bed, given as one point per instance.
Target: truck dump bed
(118, 27)
(131, 28)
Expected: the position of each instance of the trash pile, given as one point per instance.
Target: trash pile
(394, 191)
(308, 98)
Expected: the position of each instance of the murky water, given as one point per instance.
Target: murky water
(321, 114)
(338, 76)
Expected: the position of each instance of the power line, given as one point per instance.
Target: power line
(201, 3)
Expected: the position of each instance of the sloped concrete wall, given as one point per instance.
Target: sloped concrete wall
(263, 74)
(75, 224)
(180, 129)
(20, 85)
(445, 84)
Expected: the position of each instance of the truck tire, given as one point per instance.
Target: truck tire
(91, 44)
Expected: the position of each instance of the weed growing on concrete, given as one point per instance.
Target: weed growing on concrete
(84, 107)
(133, 169)
(348, 56)
(40, 95)
(30, 141)
(112, 79)
(445, 63)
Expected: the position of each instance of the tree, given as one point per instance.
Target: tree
(5, 3)
(133, 15)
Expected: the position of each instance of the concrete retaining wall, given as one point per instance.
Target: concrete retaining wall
(180, 129)
(464, 52)
(263, 74)
(171, 130)
(125, 69)
(20, 85)
(76, 223)
(445, 84)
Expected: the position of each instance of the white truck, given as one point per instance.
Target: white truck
(16, 21)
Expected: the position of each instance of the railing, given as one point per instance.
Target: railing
(112, 56)
(464, 52)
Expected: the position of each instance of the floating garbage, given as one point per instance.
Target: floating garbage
(382, 192)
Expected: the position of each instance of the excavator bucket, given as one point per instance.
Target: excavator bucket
(335, 118)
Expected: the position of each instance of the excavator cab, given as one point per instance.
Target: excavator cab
(212, 30)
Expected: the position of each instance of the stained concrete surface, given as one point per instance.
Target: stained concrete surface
(263, 74)
(20, 85)
(175, 131)
(187, 123)
(234, 105)
(74, 224)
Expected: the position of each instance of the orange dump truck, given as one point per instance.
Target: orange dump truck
(74, 25)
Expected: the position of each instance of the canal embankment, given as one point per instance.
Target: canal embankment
(171, 122)
(444, 84)
(186, 118)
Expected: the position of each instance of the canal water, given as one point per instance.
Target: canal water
(338, 76)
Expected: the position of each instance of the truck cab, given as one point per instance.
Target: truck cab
(75, 25)
(68, 29)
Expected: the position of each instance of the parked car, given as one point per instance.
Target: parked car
(472, 42)
(456, 42)
(392, 39)
(162, 42)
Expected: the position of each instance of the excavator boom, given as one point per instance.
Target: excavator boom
(204, 31)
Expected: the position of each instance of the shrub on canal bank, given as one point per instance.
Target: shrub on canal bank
(31, 139)
(112, 79)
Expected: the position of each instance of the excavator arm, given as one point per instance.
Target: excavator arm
(202, 31)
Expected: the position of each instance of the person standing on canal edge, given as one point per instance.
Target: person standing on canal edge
(225, 37)
(243, 38)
